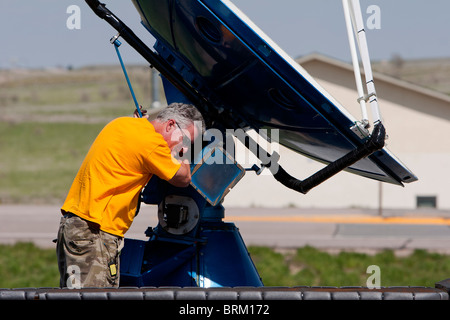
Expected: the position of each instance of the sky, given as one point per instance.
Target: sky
(35, 33)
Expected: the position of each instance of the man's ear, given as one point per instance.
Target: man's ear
(169, 124)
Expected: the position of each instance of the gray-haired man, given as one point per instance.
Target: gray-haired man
(102, 200)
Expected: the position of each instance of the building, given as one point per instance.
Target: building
(417, 121)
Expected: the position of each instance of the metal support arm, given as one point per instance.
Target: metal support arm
(156, 61)
(374, 143)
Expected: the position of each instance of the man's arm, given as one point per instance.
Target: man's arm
(183, 176)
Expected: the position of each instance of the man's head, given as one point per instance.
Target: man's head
(179, 124)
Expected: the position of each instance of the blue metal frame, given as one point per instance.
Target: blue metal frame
(213, 254)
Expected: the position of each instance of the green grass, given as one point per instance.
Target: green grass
(48, 121)
(39, 160)
(25, 265)
(102, 84)
(311, 267)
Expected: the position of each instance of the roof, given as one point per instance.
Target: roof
(317, 57)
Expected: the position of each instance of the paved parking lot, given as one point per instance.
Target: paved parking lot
(340, 229)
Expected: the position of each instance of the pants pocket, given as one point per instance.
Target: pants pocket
(79, 236)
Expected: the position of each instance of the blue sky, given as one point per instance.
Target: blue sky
(35, 35)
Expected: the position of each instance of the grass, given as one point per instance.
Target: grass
(311, 267)
(25, 265)
(40, 160)
(48, 121)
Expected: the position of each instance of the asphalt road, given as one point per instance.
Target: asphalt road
(340, 229)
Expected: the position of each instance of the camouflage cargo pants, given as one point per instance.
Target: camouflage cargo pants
(87, 256)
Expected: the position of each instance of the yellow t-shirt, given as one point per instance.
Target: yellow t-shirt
(120, 162)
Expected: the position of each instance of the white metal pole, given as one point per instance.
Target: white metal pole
(355, 60)
(365, 58)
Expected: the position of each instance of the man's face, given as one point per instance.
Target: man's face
(179, 139)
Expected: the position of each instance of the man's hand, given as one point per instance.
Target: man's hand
(143, 111)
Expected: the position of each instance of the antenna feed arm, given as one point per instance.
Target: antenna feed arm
(374, 143)
(101, 11)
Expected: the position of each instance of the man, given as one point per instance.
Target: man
(103, 198)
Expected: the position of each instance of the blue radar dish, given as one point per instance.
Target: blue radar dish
(226, 59)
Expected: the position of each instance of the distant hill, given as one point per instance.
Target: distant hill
(92, 94)
(429, 73)
(79, 90)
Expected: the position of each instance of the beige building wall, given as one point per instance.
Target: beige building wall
(417, 121)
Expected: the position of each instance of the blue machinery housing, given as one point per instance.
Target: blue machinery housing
(191, 246)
